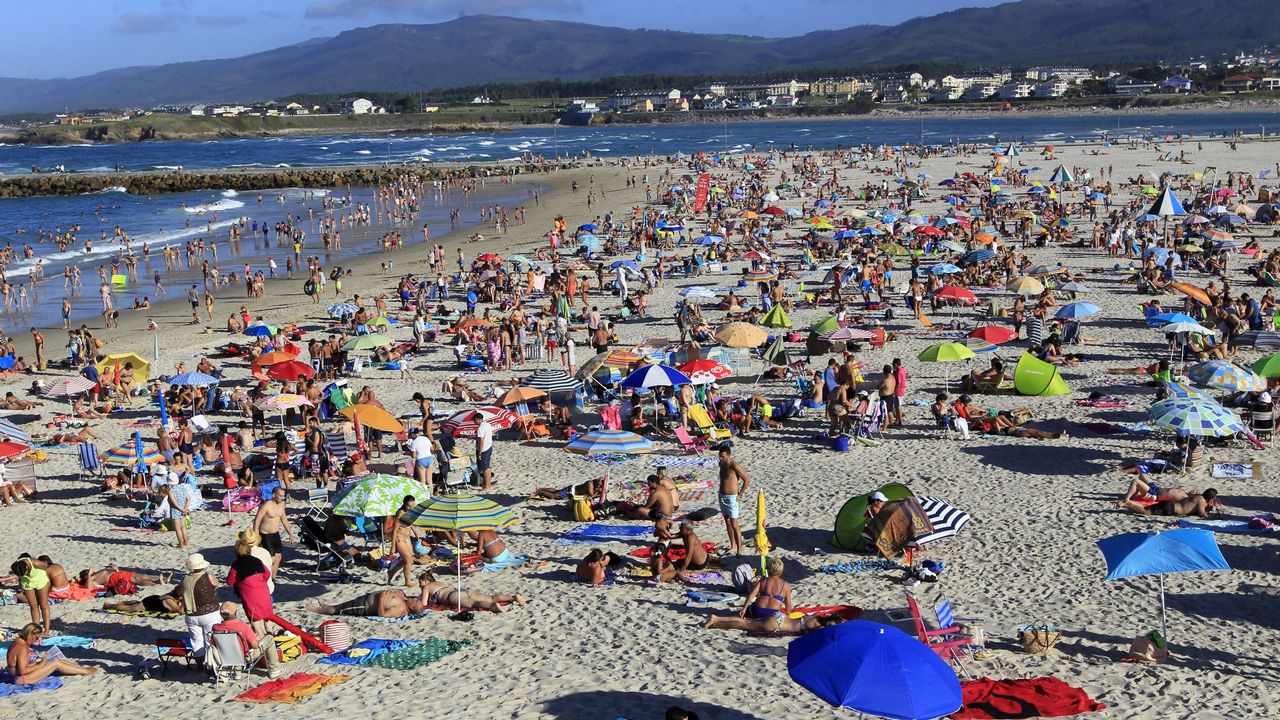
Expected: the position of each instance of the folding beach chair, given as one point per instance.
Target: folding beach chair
(22, 472)
(227, 658)
(688, 443)
(945, 641)
(90, 463)
(318, 502)
(702, 419)
(173, 649)
(335, 442)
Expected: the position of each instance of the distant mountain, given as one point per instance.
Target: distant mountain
(481, 49)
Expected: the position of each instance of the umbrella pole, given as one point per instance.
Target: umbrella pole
(1164, 617)
(458, 538)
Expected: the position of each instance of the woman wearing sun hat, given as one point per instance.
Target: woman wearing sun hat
(199, 603)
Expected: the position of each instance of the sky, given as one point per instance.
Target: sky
(68, 38)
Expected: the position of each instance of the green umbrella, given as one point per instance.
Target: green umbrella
(458, 514)
(944, 353)
(378, 495)
(1268, 366)
(367, 342)
(825, 325)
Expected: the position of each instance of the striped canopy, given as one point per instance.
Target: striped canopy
(68, 387)
(1224, 375)
(465, 423)
(459, 513)
(10, 431)
(377, 495)
(1166, 204)
(193, 378)
(126, 453)
(648, 376)
(553, 381)
(1190, 416)
(946, 519)
(609, 441)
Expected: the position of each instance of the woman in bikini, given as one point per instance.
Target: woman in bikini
(445, 595)
(26, 666)
(771, 595)
(490, 547)
(780, 623)
(402, 540)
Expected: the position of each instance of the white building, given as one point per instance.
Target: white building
(358, 106)
(1016, 90)
(1073, 75)
(981, 90)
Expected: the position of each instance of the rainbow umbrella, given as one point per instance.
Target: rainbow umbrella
(1195, 293)
(127, 453)
(609, 441)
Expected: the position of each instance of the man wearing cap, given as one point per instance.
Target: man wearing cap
(248, 638)
(875, 504)
(199, 595)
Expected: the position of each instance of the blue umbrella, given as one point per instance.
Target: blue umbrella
(1147, 217)
(977, 256)
(1166, 204)
(948, 182)
(1097, 196)
(1170, 317)
(164, 411)
(14, 433)
(823, 203)
(943, 269)
(261, 329)
(874, 669)
(626, 264)
(655, 376)
(1077, 310)
(843, 235)
(1160, 554)
(342, 309)
(589, 227)
(709, 240)
(193, 378)
(1230, 219)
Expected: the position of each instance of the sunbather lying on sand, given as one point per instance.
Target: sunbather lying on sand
(1194, 504)
(167, 603)
(435, 592)
(780, 623)
(379, 603)
(121, 582)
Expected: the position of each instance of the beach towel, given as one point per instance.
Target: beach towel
(412, 658)
(706, 577)
(1029, 698)
(59, 641)
(514, 562)
(672, 461)
(845, 612)
(1240, 527)
(596, 533)
(143, 613)
(76, 593)
(290, 689)
(675, 554)
(1238, 471)
(898, 524)
(702, 597)
(8, 687)
(406, 618)
(860, 566)
(364, 651)
(1105, 402)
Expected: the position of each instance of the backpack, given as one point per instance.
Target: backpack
(580, 508)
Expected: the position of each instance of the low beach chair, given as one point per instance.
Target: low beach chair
(318, 502)
(227, 658)
(945, 641)
(688, 443)
(702, 419)
(90, 463)
(173, 649)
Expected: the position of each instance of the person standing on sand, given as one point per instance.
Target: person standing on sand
(733, 482)
(889, 396)
(268, 523)
(900, 392)
(193, 297)
(484, 453)
(38, 339)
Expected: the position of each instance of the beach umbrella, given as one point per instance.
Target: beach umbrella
(944, 269)
(372, 416)
(1195, 220)
(1077, 310)
(978, 345)
(1258, 340)
(698, 292)
(650, 376)
(945, 352)
(709, 240)
(1166, 204)
(458, 514)
(69, 387)
(377, 495)
(609, 441)
(1223, 375)
(291, 371)
(1182, 390)
(1192, 416)
(874, 669)
(1171, 317)
(776, 318)
(1075, 287)
(464, 423)
(195, 379)
(825, 325)
(705, 371)
(553, 381)
(380, 321)
(521, 393)
(755, 276)
(116, 362)
(1025, 286)
(993, 334)
(1218, 236)
(951, 245)
(1043, 270)
(130, 453)
(260, 329)
(1061, 175)
(367, 342)
(977, 256)
(1186, 327)
(283, 401)
(10, 431)
(1195, 293)
(10, 450)
(271, 358)
(847, 335)
(957, 294)
(1160, 554)
(946, 519)
(343, 309)
(741, 335)
(1268, 366)
(616, 358)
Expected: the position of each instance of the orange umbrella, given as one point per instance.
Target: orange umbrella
(985, 238)
(372, 416)
(271, 358)
(471, 322)
(1195, 293)
(519, 394)
(748, 215)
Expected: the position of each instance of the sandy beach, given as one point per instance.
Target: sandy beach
(631, 649)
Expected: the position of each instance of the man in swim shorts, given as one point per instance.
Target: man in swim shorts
(733, 482)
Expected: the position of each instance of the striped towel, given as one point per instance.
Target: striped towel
(672, 461)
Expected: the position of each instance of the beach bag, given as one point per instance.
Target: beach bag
(1038, 639)
(336, 634)
(289, 647)
(580, 508)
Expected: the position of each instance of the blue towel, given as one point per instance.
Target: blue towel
(66, 641)
(513, 561)
(595, 533)
(8, 687)
(698, 597)
(859, 566)
(375, 647)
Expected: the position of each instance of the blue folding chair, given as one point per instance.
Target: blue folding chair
(90, 464)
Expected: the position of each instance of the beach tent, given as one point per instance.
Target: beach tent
(1034, 376)
(776, 318)
(853, 516)
(111, 365)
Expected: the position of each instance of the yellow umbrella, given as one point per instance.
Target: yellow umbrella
(1025, 286)
(112, 364)
(741, 335)
(763, 546)
(372, 416)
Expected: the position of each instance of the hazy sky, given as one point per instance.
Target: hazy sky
(65, 38)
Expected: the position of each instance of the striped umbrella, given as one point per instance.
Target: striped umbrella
(1217, 235)
(338, 310)
(283, 401)
(978, 345)
(553, 381)
(196, 379)
(10, 431)
(756, 276)
(1166, 204)
(69, 387)
(1195, 293)
(261, 329)
(465, 423)
(458, 514)
(650, 376)
(1190, 416)
(1061, 175)
(947, 520)
(377, 495)
(1224, 375)
(126, 453)
(977, 256)
(616, 358)
(609, 441)
(1258, 340)
(10, 450)
(1184, 391)
(847, 335)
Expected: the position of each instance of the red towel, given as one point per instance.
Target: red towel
(674, 554)
(290, 689)
(1034, 697)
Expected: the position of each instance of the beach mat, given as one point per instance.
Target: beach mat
(1033, 697)
(412, 658)
(675, 554)
(290, 689)
(365, 651)
(596, 533)
(405, 619)
(1237, 471)
(1239, 527)
(860, 566)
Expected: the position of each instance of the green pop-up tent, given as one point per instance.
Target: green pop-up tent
(853, 516)
(1034, 376)
(776, 318)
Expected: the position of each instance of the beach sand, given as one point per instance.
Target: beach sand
(631, 649)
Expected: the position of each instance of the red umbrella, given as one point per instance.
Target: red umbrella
(993, 334)
(489, 257)
(717, 370)
(464, 423)
(958, 294)
(292, 348)
(928, 230)
(290, 370)
(10, 450)
(774, 210)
